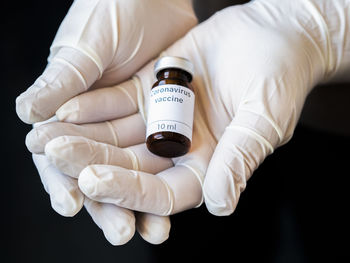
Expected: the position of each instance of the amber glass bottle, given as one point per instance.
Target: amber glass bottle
(170, 113)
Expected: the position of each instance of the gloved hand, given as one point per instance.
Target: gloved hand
(101, 43)
(255, 65)
(118, 224)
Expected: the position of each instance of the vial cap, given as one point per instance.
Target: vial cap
(173, 62)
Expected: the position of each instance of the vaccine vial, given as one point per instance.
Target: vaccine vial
(171, 107)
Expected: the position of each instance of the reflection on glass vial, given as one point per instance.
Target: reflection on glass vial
(171, 106)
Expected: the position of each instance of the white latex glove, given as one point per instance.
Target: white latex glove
(118, 224)
(101, 43)
(255, 65)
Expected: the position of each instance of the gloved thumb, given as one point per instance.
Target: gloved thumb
(244, 145)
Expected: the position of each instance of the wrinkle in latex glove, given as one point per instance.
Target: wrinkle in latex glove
(115, 132)
(71, 154)
(160, 194)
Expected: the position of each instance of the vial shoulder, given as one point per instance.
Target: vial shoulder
(179, 82)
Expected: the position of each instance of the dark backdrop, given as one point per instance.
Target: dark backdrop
(293, 210)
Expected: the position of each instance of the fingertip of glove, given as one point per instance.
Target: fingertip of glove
(218, 208)
(87, 181)
(63, 211)
(58, 152)
(118, 232)
(120, 236)
(154, 229)
(67, 206)
(117, 224)
(25, 110)
(22, 110)
(69, 111)
(53, 146)
(32, 142)
(154, 236)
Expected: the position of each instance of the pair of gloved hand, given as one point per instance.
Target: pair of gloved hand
(254, 66)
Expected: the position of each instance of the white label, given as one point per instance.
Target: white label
(171, 109)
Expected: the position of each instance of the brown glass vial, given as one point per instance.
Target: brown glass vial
(171, 107)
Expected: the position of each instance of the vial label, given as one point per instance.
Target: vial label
(171, 109)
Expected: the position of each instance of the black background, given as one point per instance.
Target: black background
(293, 210)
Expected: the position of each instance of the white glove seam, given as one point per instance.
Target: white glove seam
(137, 48)
(170, 196)
(71, 66)
(140, 100)
(270, 121)
(323, 28)
(66, 45)
(133, 158)
(200, 179)
(114, 134)
(128, 95)
(253, 134)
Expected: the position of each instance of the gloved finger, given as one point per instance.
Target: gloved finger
(152, 228)
(116, 132)
(243, 146)
(71, 154)
(101, 104)
(170, 191)
(69, 73)
(117, 223)
(66, 198)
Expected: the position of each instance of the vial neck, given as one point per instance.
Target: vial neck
(174, 73)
